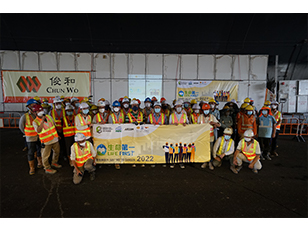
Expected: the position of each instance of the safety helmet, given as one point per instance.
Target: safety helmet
(193, 101)
(212, 101)
(57, 100)
(86, 99)
(228, 131)
(147, 99)
(93, 107)
(249, 133)
(162, 100)
(83, 105)
(45, 100)
(36, 98)
(101, 104)
(101, 99)
(79, 137)
(116, 103)
(226, 107)
(174, 101)
(206, 106)
(69, 107)
(157, 104)
(178, 103)
(138, 100)
(196, 106)
(153, 98)
(265, 108)
(244, 105)
(125, 100)
(74, 99)
(133, 102)
(267, 103)
(107, 102)
(31, 101)
(125, 97)
(121, 99)
(62, 97)
(247, 100)
(37, 107)
(251, 99)
(249, 108)
(274, 102)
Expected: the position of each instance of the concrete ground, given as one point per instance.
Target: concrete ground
(278, 190)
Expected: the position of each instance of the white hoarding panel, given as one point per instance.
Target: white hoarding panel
(66, 61)
(9, 60)
(48, 61)
(102, 65)
(119, 88)
(136, 64)
(223, 67)
(241, 67)
(83, 61)
(169, 89)
(258, 67)
(189, 67)
(172, 66)
(302, 104)
(303, 87)
(206, 67)
(243, 87)
(154, 64)
(119, 66)
(10, 107)
(257, 91)
(101, 89)
(29, 60)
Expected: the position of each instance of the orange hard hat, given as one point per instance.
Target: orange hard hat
(206, 106)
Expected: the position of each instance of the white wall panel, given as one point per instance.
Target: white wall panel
(10, 107)
(66, 61)
(243, 88)
(48, 61)
(29, 60)
(101, 89)
(83, 61)
(206, 67)
(257, 92)
(9, 60)
(119, 88)
(258, 67)
(172, 66)
(223, 67)
(189, 67)
(169, 89)
(102, 65)
(136, 64)
(154, 64)
(119, 66)
(241, 67)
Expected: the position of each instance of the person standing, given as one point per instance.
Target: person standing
(102, 116)
(69, 129)
(118, 116)
(83, 121)
(157, 117)
(278, 117)
(246, 121)
(135, 115)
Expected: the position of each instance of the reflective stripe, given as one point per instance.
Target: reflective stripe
(176, 149)
(82, 157)
(161, 119)
(68, 129)
(115, 120)
(57, 118)
(49, 131)
(184, 150)
(277, 117)
(87, 131)
(133, 119)
(251, 153)
(265, 126)
(175, 119)
(222, 144)
(99, 118)
(29, 129)
(194, 118)
(170, 150)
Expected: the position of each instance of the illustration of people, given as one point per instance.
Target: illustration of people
(193, 152)
(171, 151)
(184, 156)
(166, 149)
(176, 153)
(188, 159)
(181, 156)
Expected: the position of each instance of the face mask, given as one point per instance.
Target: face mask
(94, 112)
(247, 139)
(41, 113)
(148, 104)
(179, 109)
(85, 111)
(116, 109)
(206, 112)
(249, 112)
(82, 144)
(126, 105)
(186, 105)
(227, 137)
(77, 104)
(157, 110)
(102, 110)
(264, 112)
(274, 106)
(69, 113)
(212, 105)
(135, 108)
(58, 106)
(197, 111)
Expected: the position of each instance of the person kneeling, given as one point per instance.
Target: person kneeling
(83, 158)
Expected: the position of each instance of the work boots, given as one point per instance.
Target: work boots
(32, 167)
(39, 162)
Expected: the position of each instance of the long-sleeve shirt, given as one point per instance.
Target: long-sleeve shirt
(224, 147)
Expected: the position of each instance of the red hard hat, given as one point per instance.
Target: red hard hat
(206, 106)
(162, 99)
(37, 107)
(139, 102)
(154, 98)
(120, 100)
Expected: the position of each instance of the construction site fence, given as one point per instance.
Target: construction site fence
(294, 124)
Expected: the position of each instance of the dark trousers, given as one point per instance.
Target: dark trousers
(176, 157)
(264, 145)
(188, 157)
(171, 158)
(274, 141)
(184, 156)
(62, 145)
(167, 157)
(69, 141)
(32, 148)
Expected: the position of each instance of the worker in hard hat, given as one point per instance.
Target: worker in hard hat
(189, 150)
(178, 116)
(93, 110)
(248, 150)
(246, 121)
(45, 127)
(266, 130)
(117, 116)
(196, 113)
(83, 158)
(135, 116)
(147, 110)
(69, 129)
(75, 103)
(193, 152)
(176, 154)
(32, 138)
(166, 150)
(125, 108)
(170, 158)
(47, 107)
(226, 120)
(255, 111)
(278, 117)
(157, 117)
(66, 101)
(193, 102)
(165, 108)
(184, 155)
(153, 100)
(215, 112)
(37, 99)
(206, 117)
(83, 121)
(223, 149)
(107, 107)
(187, 108)
(102, 116)
(267, 103)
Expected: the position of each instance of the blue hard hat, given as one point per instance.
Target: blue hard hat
(147, 99)
(31, 101)
(116, 104)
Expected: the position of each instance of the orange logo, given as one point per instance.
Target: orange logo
(28, 84)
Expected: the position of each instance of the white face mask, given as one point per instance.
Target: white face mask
(41, 113)
(82, 144)
(197, 111)
(179, 109)
(247, 139)
(148, 105)
(58, 106)
(212, 105)
(274, 106)
(101, 110)
(116, 109)
(126, 105)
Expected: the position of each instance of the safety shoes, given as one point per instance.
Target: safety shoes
(117, 166)
(50, 171)
(55, 165)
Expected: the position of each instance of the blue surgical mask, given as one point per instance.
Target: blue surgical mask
(85, 111)
(227, 137)
(157, 110)
(264, 112)
(69, 113)
(249, 112)
(135, 108)
(206, 112)
(186, 105)
(77, 104)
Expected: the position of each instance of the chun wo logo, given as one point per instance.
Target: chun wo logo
(28, 84)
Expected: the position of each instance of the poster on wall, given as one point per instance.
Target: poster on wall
(221, 91)
(20, 86)
(146, 144)
(269, 96)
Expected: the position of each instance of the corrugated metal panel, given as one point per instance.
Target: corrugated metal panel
(119, 88)
(101, 89)
(257, 91)
(206, 67)
(223, 67)
(102, 65)
(169, 90)
(136, 64)
(29, 60)
(119, 66)
(189, 67)
(9, 60)
(48, 61)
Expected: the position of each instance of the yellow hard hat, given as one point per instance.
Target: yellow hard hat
(267, 103)
(249, 108)
(193, 101)
(212, 101)
(45, 105)
(45, 100)
(125, 97)
(226, 107)
(62, 97)
(247, 100)
(86, 99)
(244, 105)
(36, 98)
(94, 107)
(101, 99)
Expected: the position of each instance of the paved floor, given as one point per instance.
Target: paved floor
(279, 190)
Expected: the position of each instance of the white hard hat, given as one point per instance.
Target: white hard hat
(228, 131)
(57, 100)
(274, 102)
(125, 100)
(133, 102)
(83, 105)
(69, 107)
(79, 137)
(101, 104)
(196, 106)
(249, 133)
(157, 104)
(74, 99)
(179, 102)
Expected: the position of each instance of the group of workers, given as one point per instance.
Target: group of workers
(64, 127)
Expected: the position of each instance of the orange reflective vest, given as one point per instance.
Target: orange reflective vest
(99, 118)
(121, 118)
(176, 150)
(189, 149)
(58, 118)
(174, 119)
(222, 144)
(132, 118)
(82, 156)
(49, 131)
(68, 127)
(161, 119)
(170, 150)
(251, 152)
(277, 116)
(246, 122)
(184, 150)
(29, 129)
(194, 118)
(87, 131)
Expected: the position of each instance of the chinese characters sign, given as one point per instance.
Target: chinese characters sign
(20, 86)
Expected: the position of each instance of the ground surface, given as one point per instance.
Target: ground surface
(279, 190)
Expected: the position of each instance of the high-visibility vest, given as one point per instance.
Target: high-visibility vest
(58, 118)
(166, 112)
(184, 150)
(82, 156)
(49, 131)
(250, 153)
(222, 144)
(194, 118)
(29, 129)
(277, 116)
(161, 119)
(69, 127)
(87, 131)
(193, 149)
(115, 120)
(170, 150)
(99, 118)
(133, 119)
(176, 149)
(189, 149)
(174, 119)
